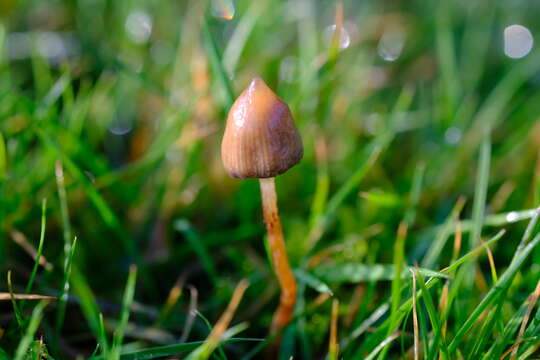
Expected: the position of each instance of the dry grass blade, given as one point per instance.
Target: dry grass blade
(194, 294)
(7, 296)
(21, 240)
(226, 318)
(444, 306)
(214, 338)
(354, 305)
(321, 299)
(457, 240)
(491, 262)
(172, 299)
(533, 298)
(333, 347)
(502, 195)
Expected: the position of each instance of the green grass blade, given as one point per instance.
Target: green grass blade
(322, 187)
(416, 191)
(171, 350)
(40, 247)
(446, 56)
(56, 91)
(423, 329)
(312, 281)
(64, 292)
(395, 292)
(209, 326)
(471, 254)
(64, 210)
(3, 158)
(40, 69)
(3, 33)
(375, 316)
(480, 192)
(183, 227)
(16, 310)
(529, 230)
(28, 337)
(102, 335)
(530, 351)
(486, 332)
(534, 326)
(106, 213)
(337, 199)
(475, 44)
(239, 38)
(124, 316)
(89, 306)
(383, 345)
(217, 65)
(203, 351)
(443, 234)
(439, 339)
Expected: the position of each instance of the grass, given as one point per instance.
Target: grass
(112, 112)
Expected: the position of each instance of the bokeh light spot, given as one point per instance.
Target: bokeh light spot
(452, 135)
(222, 9)
(139, 26)
(518, 41)
(391, 45)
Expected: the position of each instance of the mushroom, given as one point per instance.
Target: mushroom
(261, 141)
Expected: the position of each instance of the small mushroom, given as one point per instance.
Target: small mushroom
(261, 141)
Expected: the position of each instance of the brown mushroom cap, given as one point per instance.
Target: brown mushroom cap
(260, 139)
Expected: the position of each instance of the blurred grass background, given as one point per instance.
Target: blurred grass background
(113, 112)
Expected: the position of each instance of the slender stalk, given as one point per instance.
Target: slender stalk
(278, 251)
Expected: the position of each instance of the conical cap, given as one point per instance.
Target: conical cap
(260, 139)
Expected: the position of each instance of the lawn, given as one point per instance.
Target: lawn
(410, 223)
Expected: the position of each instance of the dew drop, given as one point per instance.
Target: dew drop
(512, 216)
(344, 37)
(120, 127)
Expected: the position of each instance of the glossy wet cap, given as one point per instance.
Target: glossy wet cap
(260, 139)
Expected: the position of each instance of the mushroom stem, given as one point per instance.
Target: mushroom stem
(278, 251)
